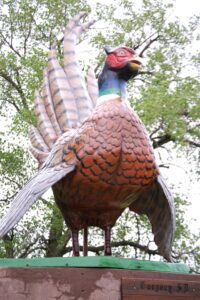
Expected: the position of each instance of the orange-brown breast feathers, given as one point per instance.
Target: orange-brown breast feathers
(138, 158)
(113, 148)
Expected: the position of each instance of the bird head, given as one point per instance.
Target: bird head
(124, 61)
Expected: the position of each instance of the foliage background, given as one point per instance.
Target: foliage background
(165, 95)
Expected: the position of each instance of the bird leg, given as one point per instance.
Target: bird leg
(85, 242)
(75, 242)
(107, 241)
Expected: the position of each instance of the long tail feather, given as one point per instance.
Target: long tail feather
(92, 86)
(75, 21)
(38, 148)
(48, 102)
(44, 125)
(35, 188)
(63, 98)
(39, 155)
(63, 102)
(37, 140)
(73, 69)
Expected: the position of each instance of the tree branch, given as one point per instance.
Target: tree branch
(159, 141)
(28, 250)
(145, 72)
(192, 143)
(12, 180)
(155, 131)
(26, 38)
(20, 88)
(10, 45)
(12, 103)
(8, 243)
(144, 41)
(97, 249)
(141, 79)
(163, 166)
(148, 45)
(8, 198)
(14, 85)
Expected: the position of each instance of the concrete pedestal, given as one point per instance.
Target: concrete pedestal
(67, 283)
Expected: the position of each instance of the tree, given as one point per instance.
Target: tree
(165, 95)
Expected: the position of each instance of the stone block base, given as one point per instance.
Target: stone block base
(61, 283)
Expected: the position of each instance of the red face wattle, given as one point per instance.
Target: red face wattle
(120, 57)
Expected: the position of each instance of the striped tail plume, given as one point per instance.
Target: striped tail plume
(92, 86)
(72, 67)
(48, 102)
(65, 100)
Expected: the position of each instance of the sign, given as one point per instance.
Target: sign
(157, 289)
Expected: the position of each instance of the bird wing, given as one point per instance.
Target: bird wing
(52, 171)
(157, 203)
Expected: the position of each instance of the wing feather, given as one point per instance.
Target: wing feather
(35, 188)
(157, 203)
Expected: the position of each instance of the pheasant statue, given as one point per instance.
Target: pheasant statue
(93, 149)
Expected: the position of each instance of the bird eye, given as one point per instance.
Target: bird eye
(121, 53)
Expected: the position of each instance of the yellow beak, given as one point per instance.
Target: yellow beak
(136, 63)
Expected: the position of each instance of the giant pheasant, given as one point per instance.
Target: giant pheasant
(94, 152)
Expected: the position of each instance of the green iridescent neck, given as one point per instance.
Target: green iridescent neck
(112, 90)
(109, 83)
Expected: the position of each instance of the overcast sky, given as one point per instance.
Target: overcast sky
(185, 8)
